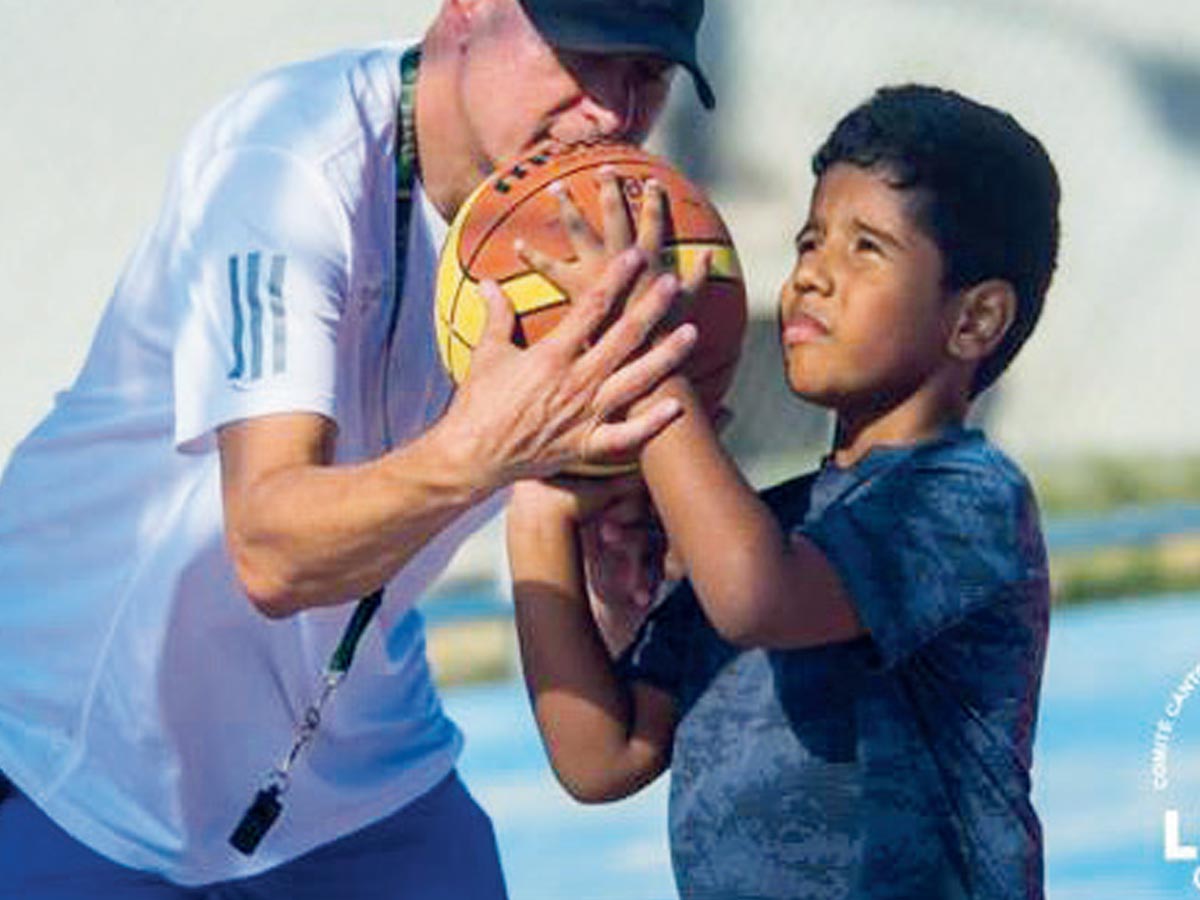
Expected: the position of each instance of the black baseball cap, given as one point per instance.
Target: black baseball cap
(664, 28)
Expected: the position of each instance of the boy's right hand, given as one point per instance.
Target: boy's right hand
(618, 537)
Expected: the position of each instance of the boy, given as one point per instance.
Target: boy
(846, 686)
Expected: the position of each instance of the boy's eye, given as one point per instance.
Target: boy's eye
(805, 242)
(864, 244)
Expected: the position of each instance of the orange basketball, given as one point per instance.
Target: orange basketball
(515, 203)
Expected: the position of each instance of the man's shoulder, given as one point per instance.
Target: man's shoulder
(310, 108)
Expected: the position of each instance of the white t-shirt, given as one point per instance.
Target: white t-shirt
(142, 698)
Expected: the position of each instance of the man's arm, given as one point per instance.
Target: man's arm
(605, 739)
(758, 585)
(306, 533)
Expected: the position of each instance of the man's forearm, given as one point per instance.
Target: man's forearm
(307, 535)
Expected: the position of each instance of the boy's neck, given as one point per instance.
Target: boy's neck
(919, 418)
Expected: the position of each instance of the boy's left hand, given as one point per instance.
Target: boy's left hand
(592, 251)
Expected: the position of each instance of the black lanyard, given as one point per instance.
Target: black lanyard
(267, 805)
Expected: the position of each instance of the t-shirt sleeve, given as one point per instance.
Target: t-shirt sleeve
(659, 652)
(262, 260)
(928, 544)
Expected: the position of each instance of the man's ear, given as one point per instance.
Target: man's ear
(985, 313)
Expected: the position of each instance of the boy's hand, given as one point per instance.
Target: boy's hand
(622, 546)
(619, 539)
(574, 499)
(623, 550)
(592, 251)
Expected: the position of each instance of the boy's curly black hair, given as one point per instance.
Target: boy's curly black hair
(986, 192)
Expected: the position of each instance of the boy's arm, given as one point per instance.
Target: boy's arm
(758, 585)
(605, 740)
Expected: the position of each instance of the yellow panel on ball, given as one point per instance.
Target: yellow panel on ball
(458, 358)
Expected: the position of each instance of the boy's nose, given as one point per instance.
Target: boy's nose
(812, 276)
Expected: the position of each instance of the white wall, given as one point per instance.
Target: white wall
(1113, 366)
(95, 96)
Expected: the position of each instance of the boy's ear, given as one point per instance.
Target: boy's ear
(985, 314)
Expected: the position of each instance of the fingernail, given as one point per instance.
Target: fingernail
(519, 245)
(557, 188)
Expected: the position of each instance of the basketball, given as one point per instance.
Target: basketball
(515, 203)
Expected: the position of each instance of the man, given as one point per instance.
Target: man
(262, 434)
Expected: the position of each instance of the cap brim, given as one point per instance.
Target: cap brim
(703, 89)
(570, 36)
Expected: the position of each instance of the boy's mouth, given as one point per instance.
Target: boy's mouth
(802, 328)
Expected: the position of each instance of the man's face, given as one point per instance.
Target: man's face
(516, 90)
(864, 318)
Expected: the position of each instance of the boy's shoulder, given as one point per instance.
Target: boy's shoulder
(960, 464)
(968, 460)
(963, 455)
(968, 445)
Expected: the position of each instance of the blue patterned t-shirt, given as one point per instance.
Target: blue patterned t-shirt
(891, 766)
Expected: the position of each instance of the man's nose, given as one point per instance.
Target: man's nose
(610, 112)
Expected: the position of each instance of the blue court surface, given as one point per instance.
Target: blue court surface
(1114, 671)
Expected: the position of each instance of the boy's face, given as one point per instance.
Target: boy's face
(864, 319)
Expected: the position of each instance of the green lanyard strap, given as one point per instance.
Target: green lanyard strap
(343, 656)
(266, 806)
(406, 172)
